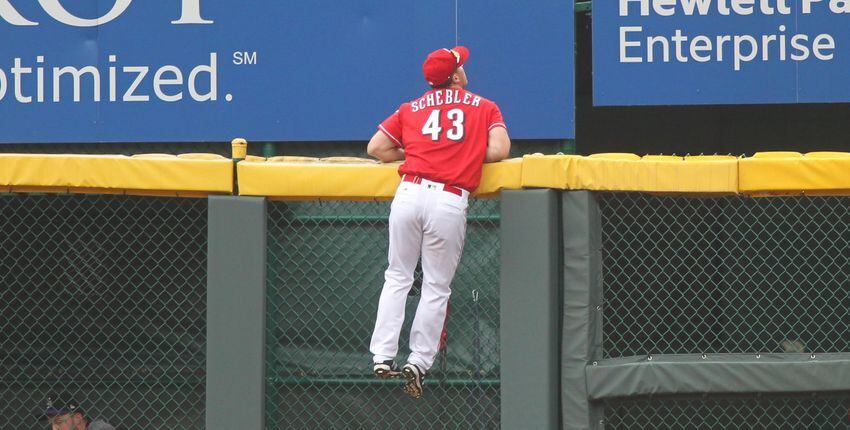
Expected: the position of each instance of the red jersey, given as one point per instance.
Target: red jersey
(444, 135)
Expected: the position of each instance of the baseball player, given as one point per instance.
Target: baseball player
(444, 137)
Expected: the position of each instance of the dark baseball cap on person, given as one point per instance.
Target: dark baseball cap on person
(58, 406)
(440, 64)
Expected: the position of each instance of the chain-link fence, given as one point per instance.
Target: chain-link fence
(325, 271)
(726, 275)
(103, 300)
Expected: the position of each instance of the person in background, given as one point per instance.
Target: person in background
(65, 414)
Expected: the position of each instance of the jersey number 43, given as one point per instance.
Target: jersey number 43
(432, 125)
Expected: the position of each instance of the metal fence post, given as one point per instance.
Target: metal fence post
(529, 310)
(582, 313)
(236, 293)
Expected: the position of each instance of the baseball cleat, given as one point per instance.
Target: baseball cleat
(413, 376)
(386, 369)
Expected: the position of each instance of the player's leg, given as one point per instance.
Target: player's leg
(405, 230)
(442, 245)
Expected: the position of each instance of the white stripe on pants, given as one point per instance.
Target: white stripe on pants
(424, 220)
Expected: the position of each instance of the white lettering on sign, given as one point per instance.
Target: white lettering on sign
(59, 13)
(12, 16)
(190, 14)
(723, 7)
(743, 48)
(170, 83)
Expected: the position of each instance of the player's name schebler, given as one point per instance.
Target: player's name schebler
(36, 81)
(444, 97)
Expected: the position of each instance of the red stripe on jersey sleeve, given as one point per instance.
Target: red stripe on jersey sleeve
(392, 128)
(390, 135)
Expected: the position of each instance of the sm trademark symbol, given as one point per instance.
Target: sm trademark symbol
(245, 57)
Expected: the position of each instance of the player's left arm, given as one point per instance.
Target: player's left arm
(498, 142)
(384, 149)
(498, 145)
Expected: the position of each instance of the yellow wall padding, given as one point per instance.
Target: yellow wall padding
(661, 158)
(819, 173)
(146, 174)
(629, 172)
(778, 154)
(710, 158)
(827, 154)
(313, 179)
(290, 158)
(346, 178)
(153, 155)
(505, 175)
(548, 171)
(200, 156)
(347, 160)
(615, 156)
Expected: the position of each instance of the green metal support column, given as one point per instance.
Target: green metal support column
(529, 310)
(236, 294)
(582, 312)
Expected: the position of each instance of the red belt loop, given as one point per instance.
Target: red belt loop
(454, 190)
(414, 179)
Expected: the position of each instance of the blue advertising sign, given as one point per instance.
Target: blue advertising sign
(675, 52)
(201, 70)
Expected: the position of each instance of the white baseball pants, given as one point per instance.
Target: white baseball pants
(428, 221)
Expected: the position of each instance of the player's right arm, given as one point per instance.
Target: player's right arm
(384, 149)
(386, 143)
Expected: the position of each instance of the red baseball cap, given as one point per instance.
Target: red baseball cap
(440, 64)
